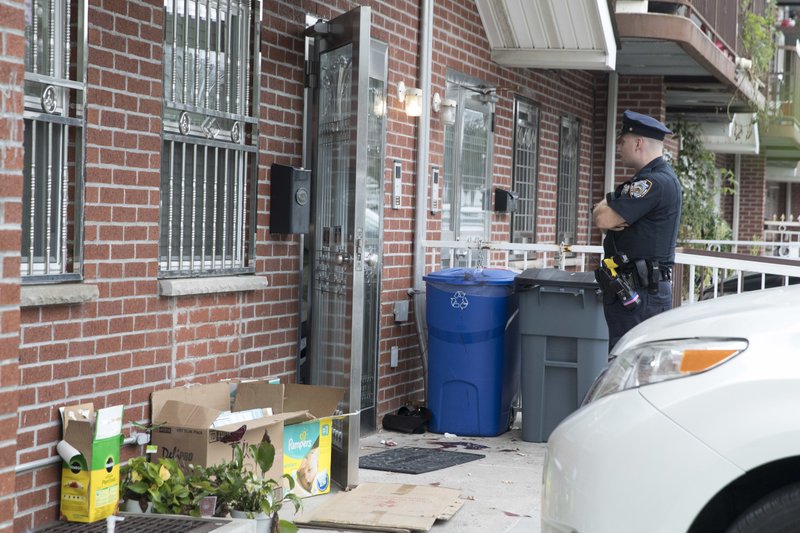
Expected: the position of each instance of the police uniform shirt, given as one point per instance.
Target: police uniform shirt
(651, 204)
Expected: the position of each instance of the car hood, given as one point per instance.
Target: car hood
(727, 316)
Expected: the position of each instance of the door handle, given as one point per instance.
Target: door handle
(371, 260)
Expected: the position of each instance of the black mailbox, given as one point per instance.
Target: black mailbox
(290, 200)
(505, 201)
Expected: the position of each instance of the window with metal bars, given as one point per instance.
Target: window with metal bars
(55, 90)
(567, 203)
(210, 139)
(526, 167)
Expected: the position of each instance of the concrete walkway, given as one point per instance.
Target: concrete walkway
(501, 491)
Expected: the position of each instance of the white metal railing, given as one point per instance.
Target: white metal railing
(785, 232)
(698, 274)
(771, 247)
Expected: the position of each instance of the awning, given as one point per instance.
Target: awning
(553, 34)
(782, 173)
(739, 136)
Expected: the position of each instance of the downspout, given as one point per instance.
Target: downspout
(421, 219)
(737, 172)
(611, 133)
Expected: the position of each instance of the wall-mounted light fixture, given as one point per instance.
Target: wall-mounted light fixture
(447, 107)
(412, 98)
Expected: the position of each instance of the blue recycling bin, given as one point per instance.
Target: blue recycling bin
(473, 355)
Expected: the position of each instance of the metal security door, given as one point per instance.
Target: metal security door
(340, 70)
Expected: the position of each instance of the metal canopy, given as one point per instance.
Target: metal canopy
(557, 34)
(739, 136)
(781, 141)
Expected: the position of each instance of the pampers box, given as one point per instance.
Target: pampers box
(307, 456)
(307, 437)
(90, 462)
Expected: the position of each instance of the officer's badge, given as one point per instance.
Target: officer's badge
(640, 188)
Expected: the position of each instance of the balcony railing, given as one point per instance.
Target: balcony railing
(718, 19)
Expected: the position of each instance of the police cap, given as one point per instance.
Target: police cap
(639, 124)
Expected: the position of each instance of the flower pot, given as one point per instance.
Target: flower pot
(263, 522)
(133, 506)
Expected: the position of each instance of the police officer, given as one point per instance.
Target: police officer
(641, 219)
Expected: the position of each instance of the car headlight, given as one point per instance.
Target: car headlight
(663, 360)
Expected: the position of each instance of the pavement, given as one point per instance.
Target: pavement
(501, 491)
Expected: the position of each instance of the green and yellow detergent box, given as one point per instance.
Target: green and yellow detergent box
(306, 412)
(90, 462)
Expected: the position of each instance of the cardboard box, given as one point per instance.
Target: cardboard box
(307, 431)
(90, 462)
(183, 418)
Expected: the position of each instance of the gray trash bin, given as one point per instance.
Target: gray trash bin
(563, 343)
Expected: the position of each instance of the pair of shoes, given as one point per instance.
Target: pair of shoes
(408, 420)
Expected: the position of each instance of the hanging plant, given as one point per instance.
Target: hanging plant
(758, 36)
(758, 45)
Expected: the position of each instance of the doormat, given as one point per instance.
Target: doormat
(384, 507)
(412, 460)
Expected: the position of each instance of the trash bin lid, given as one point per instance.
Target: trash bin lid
(554, 277)
(472, 276)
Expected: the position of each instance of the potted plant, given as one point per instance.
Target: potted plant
(250, 493)
(160, 487)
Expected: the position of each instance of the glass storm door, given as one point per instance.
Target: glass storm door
(339, 257)
(373, 233)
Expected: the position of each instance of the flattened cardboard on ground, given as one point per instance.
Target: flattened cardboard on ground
(385, 507)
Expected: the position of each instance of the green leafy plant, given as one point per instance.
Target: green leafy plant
(162, 483)
(758, 35)
(251, 491)
(759, 44)
(701, 182)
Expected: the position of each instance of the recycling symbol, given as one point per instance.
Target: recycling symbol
(459, 300)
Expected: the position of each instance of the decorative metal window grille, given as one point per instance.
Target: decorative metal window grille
(210, 138)
(526, 167)
(55, 90)
(567, 213)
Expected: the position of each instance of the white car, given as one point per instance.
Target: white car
(694, 427)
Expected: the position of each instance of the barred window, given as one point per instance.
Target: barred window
(567, 214)
(526, 167)
(210, 139)
(55, 90)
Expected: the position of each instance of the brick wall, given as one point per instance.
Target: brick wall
(131, 341)
(753, 195)
(12, 73)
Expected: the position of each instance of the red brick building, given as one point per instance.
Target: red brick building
(137, 194)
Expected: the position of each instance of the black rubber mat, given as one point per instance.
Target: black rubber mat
(415, 460)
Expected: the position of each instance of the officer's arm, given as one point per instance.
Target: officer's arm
(606, 218)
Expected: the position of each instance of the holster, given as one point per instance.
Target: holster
(604, 281)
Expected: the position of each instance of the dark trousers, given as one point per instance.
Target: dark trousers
(620, 320)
